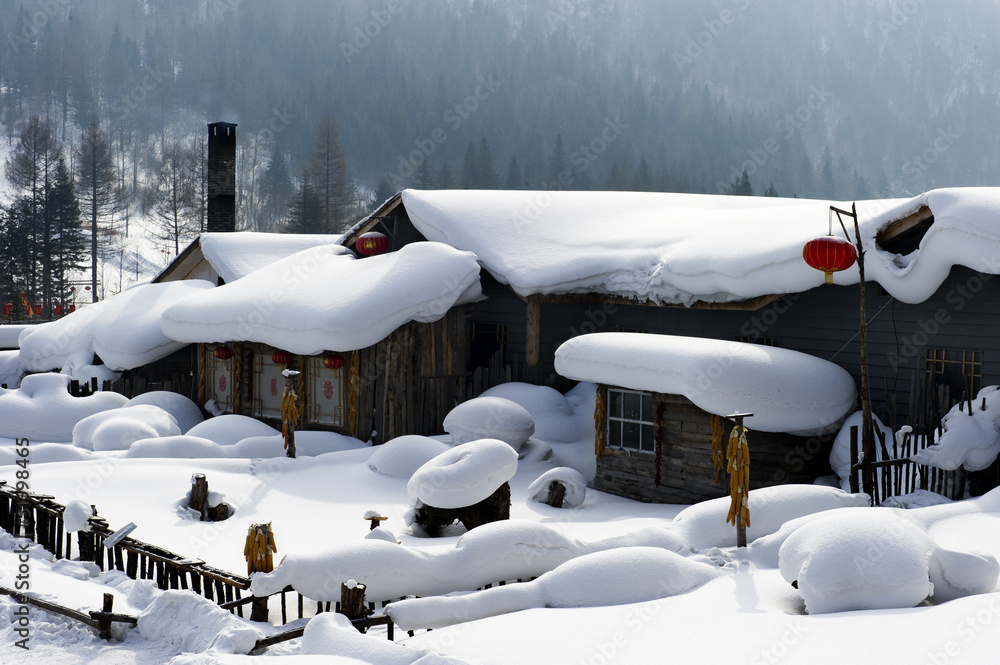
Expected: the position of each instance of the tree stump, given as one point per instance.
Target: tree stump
(199, 493)
(352, 601)
(557, 493)
(491, 509)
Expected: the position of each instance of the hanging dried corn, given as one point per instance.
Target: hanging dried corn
(738, 465)
(259, 549)
(718, 454)
(289, 411)
(599, 423)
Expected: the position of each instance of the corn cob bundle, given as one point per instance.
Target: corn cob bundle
(718, 457)
(738, 464)
(259, 549)
(289, 412)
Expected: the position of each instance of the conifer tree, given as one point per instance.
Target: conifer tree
(328, 173)
(97, 180)
(740, 186)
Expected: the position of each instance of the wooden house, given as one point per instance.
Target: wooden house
(725, 268)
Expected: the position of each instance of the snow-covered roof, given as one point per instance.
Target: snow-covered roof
(123, 330)
(9, 334)
(233, 256)
(684, 248)
(787, 391)
(320, 299)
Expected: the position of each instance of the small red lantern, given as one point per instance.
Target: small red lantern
(38, 310)
(7, 308)
(58, 309)
(281, 358)
(830, 254)
(223, 352)
(72, 308)
(334, 361)
(372, 243)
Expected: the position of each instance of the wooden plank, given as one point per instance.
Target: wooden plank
(532, 342)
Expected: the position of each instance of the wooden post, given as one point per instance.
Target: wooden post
(854, 461)
(557, 492)
(289, 415)
(104, 623)
(741, 527)
(352, 601)
(532, 342)
(199, 493)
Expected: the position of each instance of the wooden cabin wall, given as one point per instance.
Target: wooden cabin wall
(687, 474)
(421, 375)
(824, 323)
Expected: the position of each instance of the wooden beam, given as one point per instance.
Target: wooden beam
(922, 217)
(532, 341)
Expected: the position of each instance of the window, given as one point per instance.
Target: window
(219, 378)
(630, 420)
(268, 385)
(960, 371)
(763, 341)
(327, 393)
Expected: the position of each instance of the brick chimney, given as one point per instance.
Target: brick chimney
(221, 214)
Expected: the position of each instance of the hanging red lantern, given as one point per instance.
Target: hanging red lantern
(223, 352)
(830, 254)
(281, 358)
(372, 243)
(334, 361)
(58, 309)
(7, 307)
(38, 310)
(72, 308)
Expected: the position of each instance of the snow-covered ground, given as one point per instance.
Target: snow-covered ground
(631, 582)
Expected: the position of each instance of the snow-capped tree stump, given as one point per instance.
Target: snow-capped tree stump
(491, 509)
(352, 601)
(557, 492)
(199, 493)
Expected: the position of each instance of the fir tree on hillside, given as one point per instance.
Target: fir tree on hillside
(97, 180)
(740, 186)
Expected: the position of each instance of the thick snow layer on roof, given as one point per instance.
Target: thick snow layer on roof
(319, 300)
(123, 330)
(42, 408)
(235, 255)
(683, 248)
(787, 391)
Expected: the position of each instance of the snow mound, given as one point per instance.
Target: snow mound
(640, 574)
(195, 624)
(489, 418)
(276, 306)
(176, 447)
(46, 452)
(787, 391)
(123, 330)
(307, 444)
(185, 412)
(958, 574)
(120, 428)
(553, 414)
(230, 429)
(10, 369)
(858, 562)
(571, 479)
(704, 525)
(332, 634)
(76, 515)
(402, 456)
(463, 475)
(969, 441)
(498, 551)
(43, 410)
(840, 453)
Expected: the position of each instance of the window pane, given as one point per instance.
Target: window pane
(647, 408)
(630, 436)
(647, 438)
(615, 410)
(615, 434)
(632, 406)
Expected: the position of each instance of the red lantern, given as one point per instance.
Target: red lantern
(281, 358)
(72, 308)
(334, 361)
(58, 309)
(7, 308)
(372, 243)
(223, 352)
(38, 310)
(830, 254)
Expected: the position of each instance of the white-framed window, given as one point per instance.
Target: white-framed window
(268, 385)
(327, 393)
(630, 420)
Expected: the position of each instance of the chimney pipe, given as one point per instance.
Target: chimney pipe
(221, 213)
